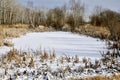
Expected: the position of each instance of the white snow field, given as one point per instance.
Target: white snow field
(64, 65)
(62, 42)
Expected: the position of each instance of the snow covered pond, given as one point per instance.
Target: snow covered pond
(62, 42)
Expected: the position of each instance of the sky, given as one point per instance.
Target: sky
(89, 4)
(111, 4)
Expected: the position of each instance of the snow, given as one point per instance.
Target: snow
(4, 49)
(66, 45)
(62, 42)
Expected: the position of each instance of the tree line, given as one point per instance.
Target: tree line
(12, 12)
(72, 14)
(107, 18)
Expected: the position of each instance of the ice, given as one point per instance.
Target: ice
(62, 42)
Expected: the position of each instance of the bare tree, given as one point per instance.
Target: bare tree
(77, 10)
(55, 18)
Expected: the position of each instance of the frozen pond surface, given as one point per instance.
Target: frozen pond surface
(62, 42)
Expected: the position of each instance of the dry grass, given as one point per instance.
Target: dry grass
(16, 30)
(47, 56)
(52, 57)
(18, 58)
(68, 59)
(95, 31)
(67, 69)
(11, 31)
(38, 29)
(100, 77)
(21, 59)
(1, 36)
(31, 64)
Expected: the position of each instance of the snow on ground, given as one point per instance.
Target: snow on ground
(17, 66)
(62, 42)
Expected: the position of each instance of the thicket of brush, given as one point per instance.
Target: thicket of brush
(107, 18)
(111, 20)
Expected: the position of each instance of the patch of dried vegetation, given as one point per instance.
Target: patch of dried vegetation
(100, 77)
(42, 60)
(16, 30)
(11, 31)
(94, 31)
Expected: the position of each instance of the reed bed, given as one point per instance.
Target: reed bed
(17, 65)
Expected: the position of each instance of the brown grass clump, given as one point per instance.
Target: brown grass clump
(116, 76)
(76, 59)
(18, 58)
(72, 78)
(14, 32)
(94, 31)
(99, 77)
(67, 58)
(31, 64)
(1, 36)
(10, 31)
(52, 56)
(67, 69)
(44, 56)
(12, 54)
